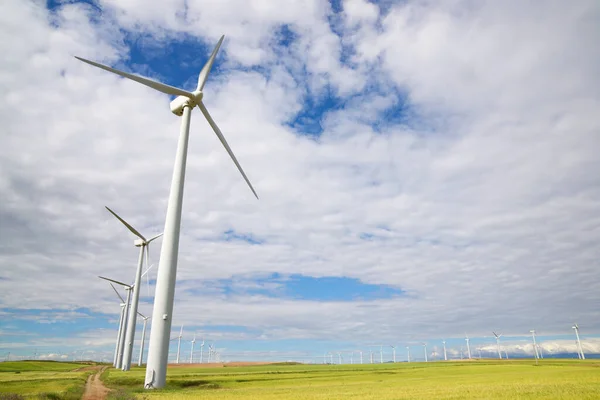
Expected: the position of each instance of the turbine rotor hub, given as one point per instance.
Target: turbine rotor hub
(180, 102)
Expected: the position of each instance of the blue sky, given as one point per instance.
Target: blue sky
(421, 174)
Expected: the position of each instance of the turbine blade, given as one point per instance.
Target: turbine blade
(117, 282)
(154, 237)
(161, 87)
(224, 142)
(141, 315)
(206, 69)
(136, 233)
(117, 292)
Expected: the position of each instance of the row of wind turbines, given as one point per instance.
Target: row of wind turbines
(158, 350)
(537, 350)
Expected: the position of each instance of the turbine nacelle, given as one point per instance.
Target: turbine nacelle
(180, 102)
(139, 242)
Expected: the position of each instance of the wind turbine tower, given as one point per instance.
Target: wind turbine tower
(393, 353)
(408, 353)
(579, 348)
(361, 359)
(143, 339)
(162, 316)
(201, 350)
(498, 344)
(179, 343)
(445, 354)
(535, 348)
(381, 354)
(192, 352)
(468, 347)
(425, 349)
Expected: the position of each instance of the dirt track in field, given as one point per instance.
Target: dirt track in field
(94, 388)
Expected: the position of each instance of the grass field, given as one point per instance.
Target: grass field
(43, 379)
(518, 379)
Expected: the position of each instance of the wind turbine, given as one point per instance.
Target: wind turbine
(534, 345)
(394, 353)
(121, 346)
(143, 338)
(425, 348)
(361, 359)
(192, 352)
(179, 343)
(182, 105)
(339, 358)
(201, 350)
(408, 353)
(468, 347)
(580, 349)
(445, 354)
(143, 244)
(498, 343)
(380, 354)
(120, 330)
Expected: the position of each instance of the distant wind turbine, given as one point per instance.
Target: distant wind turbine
(143, 339)
(394, 353)
(192, 352)
(201, 350)
(445, 355)
(179, 343)
(121, 347)
(425, 349)
(408, 353)
(143, 244)
(498, 344)
(535, 348)
(580, 348)
(468, 347)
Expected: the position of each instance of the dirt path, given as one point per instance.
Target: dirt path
(94, 388)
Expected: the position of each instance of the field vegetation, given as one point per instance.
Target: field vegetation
(481, 379)
(43, 380)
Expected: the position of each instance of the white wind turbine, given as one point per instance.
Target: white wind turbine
(182, 105)
(408, 353)
(143, 338)
(468, 347)
(143, 244)
(381, 354)
(361, 359)
(179, 343)
(425, 349)
(121, 336)
(445, 354)
(579, 348)
(394, 353)
(120, 330)
(498, 343)
(192, 352)
(534, 345)
(201, 350)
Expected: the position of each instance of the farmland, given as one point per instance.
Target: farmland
(480, 379)
(552, 379)
(44, 379)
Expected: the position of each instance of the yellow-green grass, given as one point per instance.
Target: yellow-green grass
(30, 378)
(487, 379)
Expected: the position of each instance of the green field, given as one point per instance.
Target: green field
(42, 379)
(552, 379)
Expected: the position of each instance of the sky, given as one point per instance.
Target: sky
(426, 171)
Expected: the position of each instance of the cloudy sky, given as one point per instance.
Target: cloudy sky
(425, 169)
